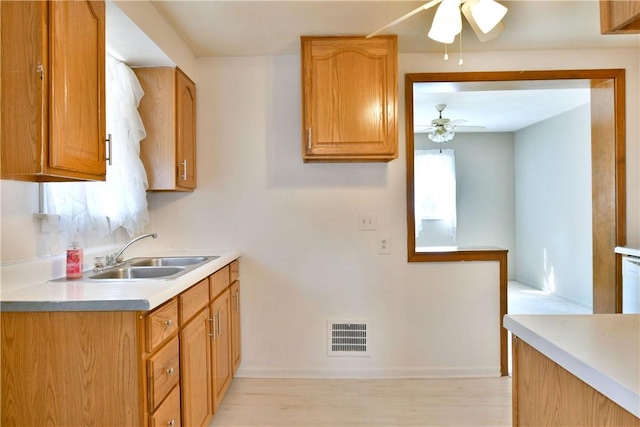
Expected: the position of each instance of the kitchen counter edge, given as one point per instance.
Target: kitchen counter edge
(139, 295)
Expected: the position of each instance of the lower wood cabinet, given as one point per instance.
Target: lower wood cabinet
(546, 394)
(168, 413)
(221, 347)
(206, 342)
(168, 367)
(235, 325)
(163, 372)
(196, 371)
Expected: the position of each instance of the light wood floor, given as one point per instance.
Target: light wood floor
(342, 403)
(394, 403)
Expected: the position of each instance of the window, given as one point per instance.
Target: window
(435, 188)
(96, 209)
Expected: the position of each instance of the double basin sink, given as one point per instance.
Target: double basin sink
(151, 268)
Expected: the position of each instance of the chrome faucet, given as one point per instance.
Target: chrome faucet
(115, 258)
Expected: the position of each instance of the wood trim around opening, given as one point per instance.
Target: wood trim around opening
(609, 183)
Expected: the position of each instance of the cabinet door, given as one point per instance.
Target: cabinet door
(349, 87)
(221, 347)
(186, 131)
(168, 110)
(195, 370)
(77, 127)
(235, 325)
(53, 90)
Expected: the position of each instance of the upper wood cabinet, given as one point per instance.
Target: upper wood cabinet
(619, 16)
(349, 99)
(52, 125)
(168, 111)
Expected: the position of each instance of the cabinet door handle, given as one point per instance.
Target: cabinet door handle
(218, 328)
(169, 371)
(110, 153)
(43, 108)
(309, 138)
(213, 327)
(184, 170)
(236, 297)
(171, 423)
(169, 323)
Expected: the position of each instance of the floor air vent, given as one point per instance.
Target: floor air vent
(347, 338)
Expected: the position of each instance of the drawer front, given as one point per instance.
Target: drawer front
(168, 414)
(218, 282)
(163, 370)
(235, 270)
(161, 324)
(193, 300)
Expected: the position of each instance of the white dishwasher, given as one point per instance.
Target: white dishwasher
(630, 279)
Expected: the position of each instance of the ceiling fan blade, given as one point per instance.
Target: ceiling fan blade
(402, 18)
(423, 128)
(469, 127)
(457, 121)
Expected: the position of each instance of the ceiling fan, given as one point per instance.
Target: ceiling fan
(443, 129)
(484, 16)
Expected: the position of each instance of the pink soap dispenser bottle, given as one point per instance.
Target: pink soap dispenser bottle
(74, 259)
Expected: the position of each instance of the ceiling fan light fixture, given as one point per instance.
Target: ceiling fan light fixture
(486, 14)
(441, 134)
(447, 22)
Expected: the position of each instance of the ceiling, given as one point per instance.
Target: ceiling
(241, 28)
(264, 27)
(494, 107)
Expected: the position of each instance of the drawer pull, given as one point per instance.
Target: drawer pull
(169, 323)
(171, 423)
(169, 371)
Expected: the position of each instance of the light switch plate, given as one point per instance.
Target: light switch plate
(367, 222)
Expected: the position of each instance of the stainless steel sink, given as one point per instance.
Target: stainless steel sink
(170, 261)
(150, 268)
(130, 272)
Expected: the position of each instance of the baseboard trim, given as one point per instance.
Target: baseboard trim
(487, 372)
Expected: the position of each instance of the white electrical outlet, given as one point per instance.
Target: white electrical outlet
(367, 222)
(384, 246)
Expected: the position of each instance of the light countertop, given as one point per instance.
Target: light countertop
(626, 250)
(603, 350)
(83, 295)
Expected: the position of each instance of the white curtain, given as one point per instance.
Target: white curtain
(435, 188)
(96, 209)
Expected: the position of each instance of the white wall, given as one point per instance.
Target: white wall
(147, 18)
(485, 194)
(304, 259)
(553, 205)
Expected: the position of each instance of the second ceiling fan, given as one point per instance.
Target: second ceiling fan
(443, 129)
